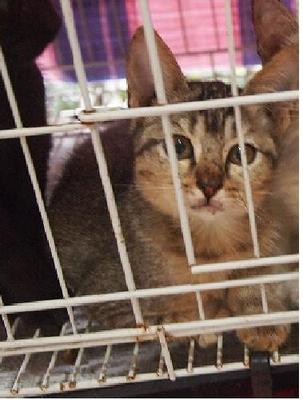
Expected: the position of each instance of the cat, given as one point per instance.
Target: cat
(210, 169)
(26, 267)
(278, 48)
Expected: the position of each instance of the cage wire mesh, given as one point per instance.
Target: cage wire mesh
(81, 357)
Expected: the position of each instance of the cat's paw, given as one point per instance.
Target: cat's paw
(207, 340)
(265, 338)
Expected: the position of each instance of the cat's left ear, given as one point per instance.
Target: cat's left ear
(275, 27)
(141, 91)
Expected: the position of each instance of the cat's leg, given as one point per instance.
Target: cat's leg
(170, 309)
(214, 308)
(248, 301)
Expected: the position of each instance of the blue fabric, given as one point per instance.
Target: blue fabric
(88, 24)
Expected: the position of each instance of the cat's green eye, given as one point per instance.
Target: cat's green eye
(183, 146)
(234, 155)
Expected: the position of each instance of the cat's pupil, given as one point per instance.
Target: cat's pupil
(180, 146)
(237, 153)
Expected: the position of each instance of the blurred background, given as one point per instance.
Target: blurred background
(195, 30)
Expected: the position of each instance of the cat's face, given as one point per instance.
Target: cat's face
(209, 164)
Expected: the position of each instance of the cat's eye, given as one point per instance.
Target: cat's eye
(234, 155)
(183, 146)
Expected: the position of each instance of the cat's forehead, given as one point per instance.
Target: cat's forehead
(216, 123)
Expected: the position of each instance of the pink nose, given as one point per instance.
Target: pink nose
(209, 191)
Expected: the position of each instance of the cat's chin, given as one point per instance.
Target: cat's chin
(206, 210)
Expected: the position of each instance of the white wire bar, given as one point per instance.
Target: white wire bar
(235, 92)
(45, 380)
(72, 381)
(41, 130)
(166, 354)
(166, 109)
(76, 52)
(14, 328)
(219, 362)
(276, 358)
(144, 377)
(103, 372)
(130, 335)
(191, 353)
(246, 356)
(113, 211)
(15, 387)
(200, 305)
(35, 184)
(100, 157)
(111, 115)
(149, 35)
(243, 264)
(264, 298)
(6, 323)
(133, 364)
(144, 293)
(160, 370)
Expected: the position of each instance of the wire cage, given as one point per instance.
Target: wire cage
(33, 365)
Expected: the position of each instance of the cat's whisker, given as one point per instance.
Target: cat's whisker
(145, 187)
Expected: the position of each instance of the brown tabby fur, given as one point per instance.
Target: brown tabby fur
(149, 216)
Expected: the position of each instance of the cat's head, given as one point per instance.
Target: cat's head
(205, 142)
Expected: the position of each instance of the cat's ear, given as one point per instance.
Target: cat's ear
(141, 90)
(279, 74)
(275, 27)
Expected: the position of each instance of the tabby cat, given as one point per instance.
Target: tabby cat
(210, 169)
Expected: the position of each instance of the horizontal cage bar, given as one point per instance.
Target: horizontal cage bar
(144, 293)
(131, 335)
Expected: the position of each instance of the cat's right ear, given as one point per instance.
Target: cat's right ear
(141, 90)
(275, 27)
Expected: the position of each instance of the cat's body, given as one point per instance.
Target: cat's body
(88, 249)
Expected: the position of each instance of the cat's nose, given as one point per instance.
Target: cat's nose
(209, 188)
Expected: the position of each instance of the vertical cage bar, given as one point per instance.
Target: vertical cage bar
(133, 364)
(264, 298)
(247, 185)
(219, 362)
(161, 97)
(200, 305)
(191, 353)
(100, 157)
(166, 354)
(276, 358)
(51, 365)
(112, 208)
(103, 371)
(246, 356)
(7, 325)
(161, 364)
(15, 387)
(35, 184)
(14, 328)
(76, 52)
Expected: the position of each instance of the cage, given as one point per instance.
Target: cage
(82, 356)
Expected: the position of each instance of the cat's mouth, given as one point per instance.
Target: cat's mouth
(212, 206)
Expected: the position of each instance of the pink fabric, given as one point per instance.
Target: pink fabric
(193, 29)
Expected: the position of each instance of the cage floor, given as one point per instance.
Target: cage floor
(97, 367)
